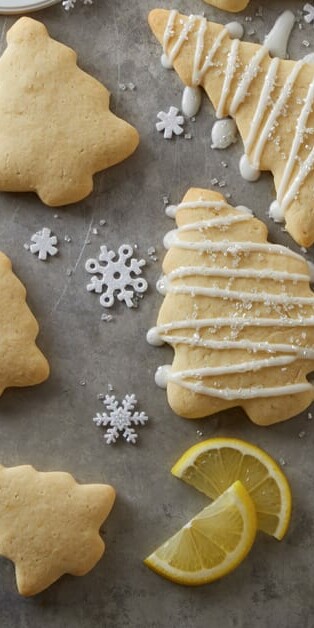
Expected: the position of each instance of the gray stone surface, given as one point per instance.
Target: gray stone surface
(50, 426)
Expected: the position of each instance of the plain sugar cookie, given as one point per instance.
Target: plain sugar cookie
(21, 362)
(56, 129)
(49, 525)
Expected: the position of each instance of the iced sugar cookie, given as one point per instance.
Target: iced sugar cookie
(56, 129)
(238, 312)
(270, 99)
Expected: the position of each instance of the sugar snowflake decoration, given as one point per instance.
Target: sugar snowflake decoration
(44, 244)
(70, 4)
(119, 419)
(116, 275)
(309, 10)
(170, 122)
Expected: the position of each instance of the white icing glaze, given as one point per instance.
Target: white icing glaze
(302, 353)
(228, 247)
(253, 392)
(229, 74)
(277, 39)
(235, 30)
(263, 103)
(276, 212)
(248, 172)
(243, 208)
(172, 210)
(223, 221)
(238, 273)
(262, 125)
(191, 101)
(224, 133)
(157, 336)
(162, 375)
(239, 295)
(249, 74)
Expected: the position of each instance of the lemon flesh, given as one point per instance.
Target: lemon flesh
(213, 465)
(212, 544)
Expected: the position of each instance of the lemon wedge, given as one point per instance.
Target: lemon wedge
(213, 465)
(212, 544)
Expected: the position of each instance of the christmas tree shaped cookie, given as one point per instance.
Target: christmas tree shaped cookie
(272, 101)
(56, 129)
(238, 312)
(49, 525)
(21, 362)
(229, 5)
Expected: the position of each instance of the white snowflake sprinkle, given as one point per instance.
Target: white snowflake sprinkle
(170, 123)
(309, 10)
(44, 244)
(120, 418)
(117, 276)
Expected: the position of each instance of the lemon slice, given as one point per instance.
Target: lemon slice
(212, 544)
(213, 465)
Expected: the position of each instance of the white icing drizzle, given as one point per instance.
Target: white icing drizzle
(229, 74)
(191, 101)
(199, 72)
(268, 87)
(224, 133)
(297, 142)
(262, 126)
(231, 394)
(249, 74)
(235, 367)
(157, 336)
(277, 39)
(223, 221)
(235, 30)
(303, 353)
(276, 111)
(248, 172)
(164, 286)
(172, 210)
(238, 273)
(228, 247)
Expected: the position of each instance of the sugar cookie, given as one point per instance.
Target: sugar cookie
(49, 525)
(239, 313)
(56, 129)
(21, 362)
(229, 5)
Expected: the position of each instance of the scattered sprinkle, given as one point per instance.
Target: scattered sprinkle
(170, 122)
(282, 462)
(102, 222)
(118, 276)
(44, 244)
(302, 434)
(107, 318)
(67, 238)
(120, 418)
